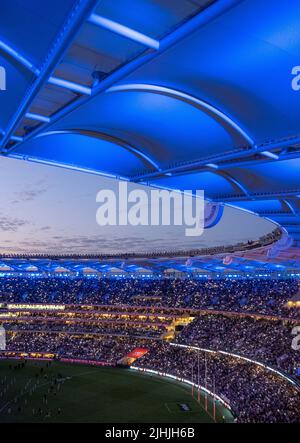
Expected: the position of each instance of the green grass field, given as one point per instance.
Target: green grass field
(93, 394)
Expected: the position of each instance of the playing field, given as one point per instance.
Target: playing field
(93, 394)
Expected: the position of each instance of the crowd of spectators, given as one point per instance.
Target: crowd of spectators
(266, 341)
(241, 295)
(104, 328)
(108, 349)
(254, 393)
(102, 313)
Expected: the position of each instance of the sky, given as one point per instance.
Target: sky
(47, 209)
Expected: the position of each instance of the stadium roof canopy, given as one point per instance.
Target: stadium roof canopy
(185, 94)
(251, 263)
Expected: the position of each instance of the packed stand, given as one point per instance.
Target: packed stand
(254, 393)
(266, 341)
(240, 295)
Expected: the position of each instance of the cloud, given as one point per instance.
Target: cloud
(81, 243)
(12, 224)
(30, 194)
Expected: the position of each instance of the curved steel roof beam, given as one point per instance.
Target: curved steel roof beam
(290, 206)
(235, 183)
(107, 137)
(187, 98)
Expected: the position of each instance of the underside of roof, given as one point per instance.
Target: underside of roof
(184, 94)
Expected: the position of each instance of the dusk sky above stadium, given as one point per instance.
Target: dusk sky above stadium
(47, 209)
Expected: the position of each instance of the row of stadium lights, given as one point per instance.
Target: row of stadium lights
(147, 276)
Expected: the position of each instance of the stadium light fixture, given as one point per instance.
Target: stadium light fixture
(38, 117)
(270, 155)
(212, 166)
(70, 85)
(16, 138)
(119, 29)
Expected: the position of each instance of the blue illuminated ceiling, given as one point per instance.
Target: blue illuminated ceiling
(188, 94)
